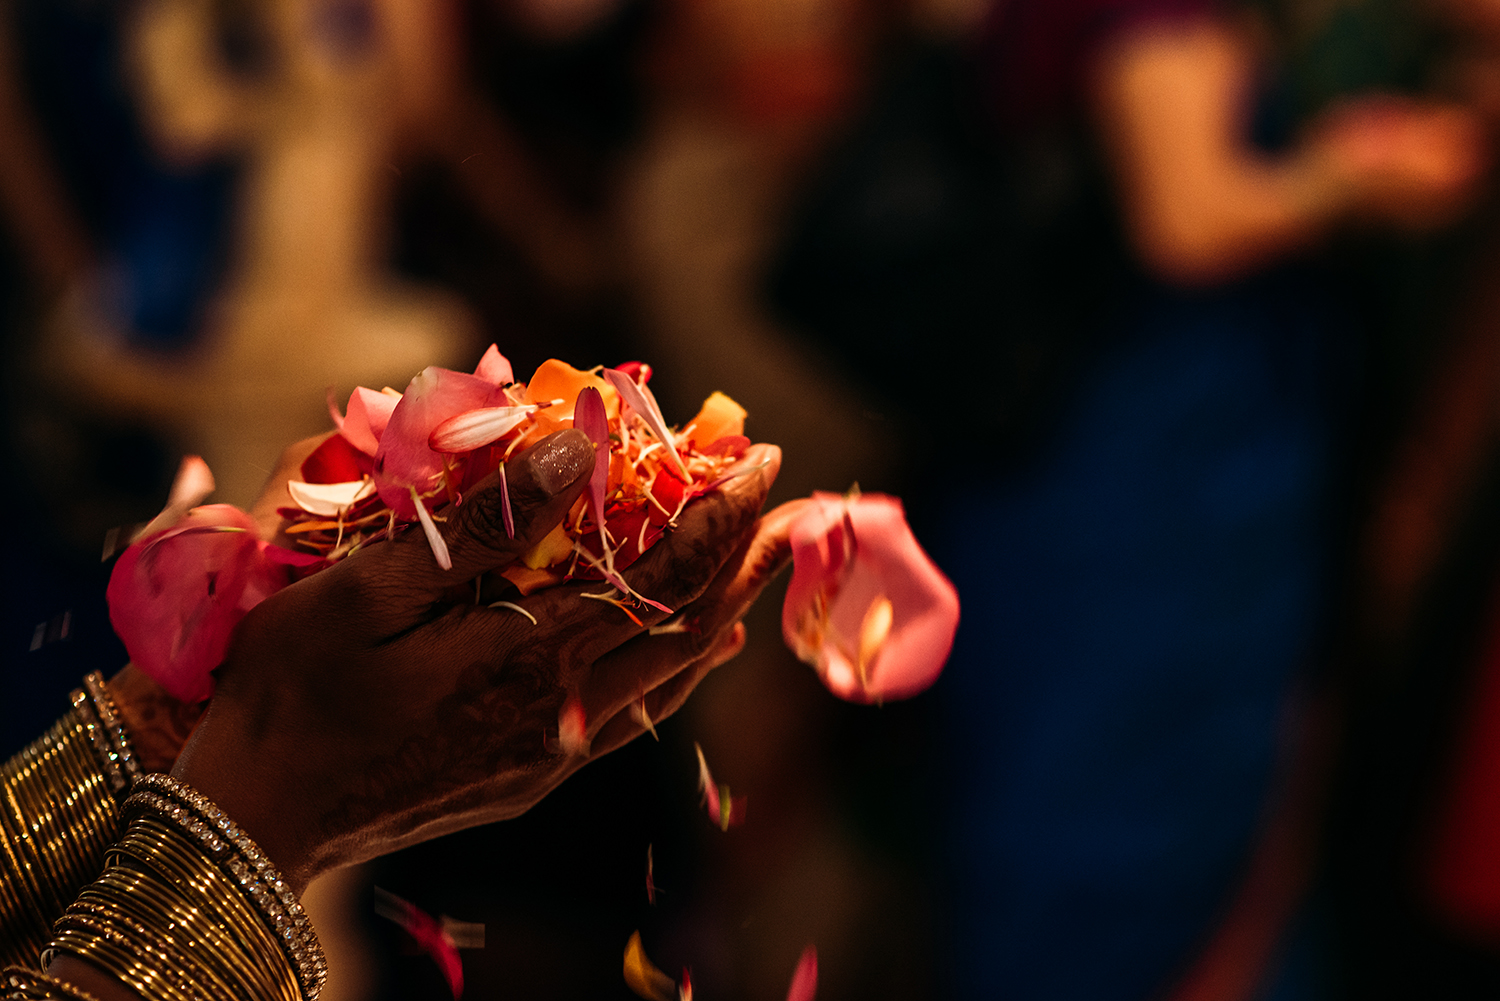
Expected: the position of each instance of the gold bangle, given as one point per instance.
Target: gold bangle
(189, 909)
(28, 985)
(240, 858)
(58, 815)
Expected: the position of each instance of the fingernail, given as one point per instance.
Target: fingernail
(560, 459)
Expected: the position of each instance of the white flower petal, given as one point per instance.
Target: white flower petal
(328, 500)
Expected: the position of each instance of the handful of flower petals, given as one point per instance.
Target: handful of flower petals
(404, 458)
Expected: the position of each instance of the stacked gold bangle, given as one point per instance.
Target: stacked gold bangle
(189, 909)
(60, 813)
(28, 985)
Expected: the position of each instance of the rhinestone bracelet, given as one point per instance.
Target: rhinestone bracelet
(236, 854)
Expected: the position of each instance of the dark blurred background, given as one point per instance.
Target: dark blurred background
(1175, 324)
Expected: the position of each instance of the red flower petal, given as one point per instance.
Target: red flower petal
(335, 461)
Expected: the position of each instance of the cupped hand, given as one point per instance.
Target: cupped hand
(370, 707)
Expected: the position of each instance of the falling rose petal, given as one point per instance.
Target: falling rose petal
(329, 499)
(590, 418)
(643, 402)
(642, 976)
(643, 718)
(477, 428)
(429, 934)
(506, 515)
(707, 786)
(724, 810)
(866, 607)
(190, 487)
(805, 978)
(429, 529)
(176, 596)
(650, 879)
(404, 459)
(495, 367)
(369, 414)
(572, 729)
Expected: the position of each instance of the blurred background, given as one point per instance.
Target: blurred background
(1176, 324)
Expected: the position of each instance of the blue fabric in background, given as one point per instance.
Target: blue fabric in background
(1137, 603)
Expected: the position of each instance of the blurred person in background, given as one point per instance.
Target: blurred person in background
(1087, 240)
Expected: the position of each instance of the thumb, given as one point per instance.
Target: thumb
(541, 485)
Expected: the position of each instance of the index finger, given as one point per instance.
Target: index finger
(540, 486)
(672, 573)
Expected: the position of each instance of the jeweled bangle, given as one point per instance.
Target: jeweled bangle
(188, 908)
(59, 811)
(239, 857)
(111, 744)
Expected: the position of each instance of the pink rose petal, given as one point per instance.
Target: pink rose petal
(495, 368)
(724, 810)
(176, 596)
(805, 978)
(590, 418)
(404, 459)
(369, 413)
(866, 606)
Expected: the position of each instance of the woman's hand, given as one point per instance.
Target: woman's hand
(376, 704)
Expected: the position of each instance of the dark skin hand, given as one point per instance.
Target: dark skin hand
(364, 709)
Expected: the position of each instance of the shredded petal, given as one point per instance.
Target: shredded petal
(514, 608)
(505, 512)
(434, 538)
(643, 402)
(476, 428)
(643, 718)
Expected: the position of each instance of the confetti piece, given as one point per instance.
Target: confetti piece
(642, 977)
